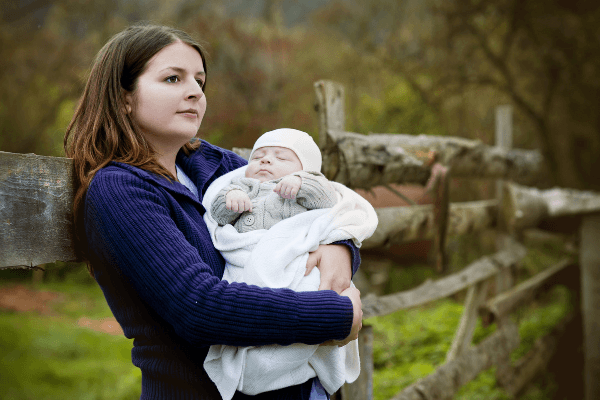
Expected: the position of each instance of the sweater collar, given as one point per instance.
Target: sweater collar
(200, 166)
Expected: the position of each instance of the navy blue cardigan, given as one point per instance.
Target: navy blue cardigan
(161, 277)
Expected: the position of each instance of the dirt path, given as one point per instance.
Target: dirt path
(20, 298)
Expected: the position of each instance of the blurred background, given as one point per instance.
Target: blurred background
(436, 67)
(409, 66)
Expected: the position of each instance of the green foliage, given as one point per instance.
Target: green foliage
(260, 76)
(398, 110)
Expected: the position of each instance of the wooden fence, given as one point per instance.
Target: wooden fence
(36, 191)
(364, 161)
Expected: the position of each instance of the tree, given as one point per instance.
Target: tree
(46, 48)
(466, 56)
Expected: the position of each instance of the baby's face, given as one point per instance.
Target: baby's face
(268, 163)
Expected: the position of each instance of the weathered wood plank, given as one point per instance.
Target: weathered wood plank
(36, 197)
(526, 207)
(407, 224)
(464, 334)
(477, 271)
(448, 378)
(365, 161)
(507, 302)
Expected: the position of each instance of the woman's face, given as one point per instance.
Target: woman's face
(168, 102)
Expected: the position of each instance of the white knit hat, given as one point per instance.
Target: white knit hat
(300, 142)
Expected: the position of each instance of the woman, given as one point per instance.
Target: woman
(143, 234)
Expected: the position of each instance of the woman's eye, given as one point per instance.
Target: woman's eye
(172, 79)
(200, 83)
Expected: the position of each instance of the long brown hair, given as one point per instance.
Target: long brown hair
(101, 131)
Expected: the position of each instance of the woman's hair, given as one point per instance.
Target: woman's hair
(101, 131)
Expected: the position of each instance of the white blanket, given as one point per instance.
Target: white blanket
(276, 258)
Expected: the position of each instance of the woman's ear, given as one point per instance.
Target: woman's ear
(128, 100)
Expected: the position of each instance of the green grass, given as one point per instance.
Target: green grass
(411, 344)
(51, 357)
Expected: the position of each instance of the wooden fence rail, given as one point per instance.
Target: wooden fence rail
(365, 161)
(478, 271)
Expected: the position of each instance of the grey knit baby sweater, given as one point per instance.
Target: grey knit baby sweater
(268, 207)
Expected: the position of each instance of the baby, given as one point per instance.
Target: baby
(265, 218)
(289, 162)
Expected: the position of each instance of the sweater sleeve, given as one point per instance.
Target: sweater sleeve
(129, 227)
(218, 208)
(354, 253)
(315, 191)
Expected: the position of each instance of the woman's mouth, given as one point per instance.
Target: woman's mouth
(191, 113)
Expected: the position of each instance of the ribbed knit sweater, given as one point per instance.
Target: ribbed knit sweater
(161, 277)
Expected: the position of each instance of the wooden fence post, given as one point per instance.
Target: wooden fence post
(362, 387)
(504, 279)
(504, 136)
(504, 139)
(330, 107)
(590, 303)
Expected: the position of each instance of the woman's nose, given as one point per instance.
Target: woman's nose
(194, 90)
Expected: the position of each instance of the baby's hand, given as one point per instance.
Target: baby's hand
(238, 201)
(288, 187)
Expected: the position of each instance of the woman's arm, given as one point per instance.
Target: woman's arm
(130, 227)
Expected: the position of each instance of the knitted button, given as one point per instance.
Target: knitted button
(249, 220)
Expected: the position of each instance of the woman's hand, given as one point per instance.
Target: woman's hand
(354, 295)
(335, 265)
